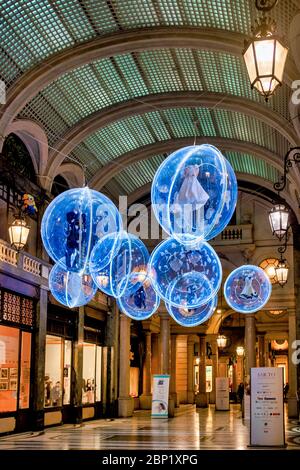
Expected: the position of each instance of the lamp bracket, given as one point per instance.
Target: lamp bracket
(288, 163)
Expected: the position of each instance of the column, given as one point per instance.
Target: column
(190, 369)
(155, 363)
(146, 397)
(250, 342)
(212, 340)
(261, 350)
(39, 363)
(164, 343)
(78, 368)
(125, 401)
(296, 240)
(292, 399)
(266, 350)
(173, 393)
(110, 375)
(201, 398)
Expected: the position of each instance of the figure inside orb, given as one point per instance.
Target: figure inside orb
(139, 297)
(190, 201)
(248, 291)
(75, 234)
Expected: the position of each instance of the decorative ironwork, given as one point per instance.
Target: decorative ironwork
(16, 309)
(288, 163)
(265, 5)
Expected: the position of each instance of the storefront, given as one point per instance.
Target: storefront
(17, 313)
(65, 368)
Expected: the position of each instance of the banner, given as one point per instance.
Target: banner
(160, 396)
(267, 412)
(222, 393)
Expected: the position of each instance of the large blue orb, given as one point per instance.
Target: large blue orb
(193, 316)
(188, 192)
(185, 275)
(71, 289)
(247, 289)
(118, 263)
(74, 222)
(140, 304)
(230, 200)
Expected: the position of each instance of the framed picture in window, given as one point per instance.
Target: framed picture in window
(13, 372)
(3, 385)
(13, 384)
(4, 373)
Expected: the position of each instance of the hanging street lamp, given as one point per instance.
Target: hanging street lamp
(265, 54)
(221, 341)
(18, 232)
(282, 272)
(240, 351)
(279, 220)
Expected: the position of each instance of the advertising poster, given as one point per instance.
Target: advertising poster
(222, 393)
(209, 379)
(267, 415)
(160, 396)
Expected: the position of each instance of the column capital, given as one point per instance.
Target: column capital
(164, 316)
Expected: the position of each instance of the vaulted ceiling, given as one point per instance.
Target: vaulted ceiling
(119, 84)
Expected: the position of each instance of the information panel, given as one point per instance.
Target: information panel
(160, 396)
(222, 393)
(267, 413)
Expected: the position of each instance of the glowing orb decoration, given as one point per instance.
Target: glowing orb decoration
(140, 304)
(118, 263)
(71, 289)
(74, 222)
(231, 194)
(189, 191)
(185, 275)
(193, 316)
(247, 289)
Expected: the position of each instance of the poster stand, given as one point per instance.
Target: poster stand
(222, 394)
(267, 408)
(160, 396)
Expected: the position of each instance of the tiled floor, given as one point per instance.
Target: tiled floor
(204, 429)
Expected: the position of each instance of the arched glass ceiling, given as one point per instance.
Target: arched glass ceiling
(137, 131)
(33, 30)
(141, 173)
(108, 81)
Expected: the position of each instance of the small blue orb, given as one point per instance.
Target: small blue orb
(188, 192)
(247, 289)
(185, 275)
(71, 289)
(74, 222)
(140, 304)
(193, 316)
(230, 200)
(118, 263)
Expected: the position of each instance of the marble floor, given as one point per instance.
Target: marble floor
(202, 429)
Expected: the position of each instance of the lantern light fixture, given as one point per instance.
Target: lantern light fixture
(279, 220)
(240, 351)
(265, 54)
(282, 272)
(18, 232)
(221, 341)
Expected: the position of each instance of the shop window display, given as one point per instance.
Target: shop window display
(67, 372)
(91, 373)
(25, 371)
(53, 371)
(9, 354)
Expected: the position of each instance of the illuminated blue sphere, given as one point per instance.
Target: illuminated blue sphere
(185, 275)
(193, 316)
(247, 289)
(118, 263)
(140, 304)
(74, 222)
(71, 289)
(188, 192)
(230, 199)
